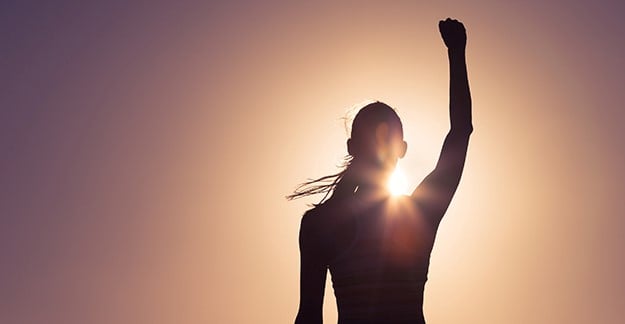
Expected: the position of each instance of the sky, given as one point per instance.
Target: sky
(147, 146)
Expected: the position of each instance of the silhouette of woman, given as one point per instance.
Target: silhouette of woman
(377, 247)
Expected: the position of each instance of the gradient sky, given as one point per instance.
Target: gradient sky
(147, 146)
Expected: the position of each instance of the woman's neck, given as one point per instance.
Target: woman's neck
(371, 192)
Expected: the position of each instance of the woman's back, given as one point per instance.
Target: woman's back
(378, 253)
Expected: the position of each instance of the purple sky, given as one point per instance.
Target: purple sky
(146, 149)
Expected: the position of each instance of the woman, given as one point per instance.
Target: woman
(377, 247)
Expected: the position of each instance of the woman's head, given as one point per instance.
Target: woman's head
(377, 137)
(375, 145)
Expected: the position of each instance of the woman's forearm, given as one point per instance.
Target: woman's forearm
(459, 93)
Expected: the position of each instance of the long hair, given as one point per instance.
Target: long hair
(345, 182)
(324, 185)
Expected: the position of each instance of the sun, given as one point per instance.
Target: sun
(397, 184)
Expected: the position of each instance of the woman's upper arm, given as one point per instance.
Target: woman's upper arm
(435, 192)
(313, 273)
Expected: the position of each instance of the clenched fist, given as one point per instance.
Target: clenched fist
(453, 33)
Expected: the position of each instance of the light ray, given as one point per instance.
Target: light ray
(397, 184)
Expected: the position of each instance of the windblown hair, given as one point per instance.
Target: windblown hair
(324, 185)
(345, 182)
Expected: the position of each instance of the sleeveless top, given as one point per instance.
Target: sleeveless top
(378, 254)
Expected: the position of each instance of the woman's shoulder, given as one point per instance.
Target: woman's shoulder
(315, 228)
(323, 215)
(317, 214)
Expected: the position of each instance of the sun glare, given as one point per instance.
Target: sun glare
(397, 184)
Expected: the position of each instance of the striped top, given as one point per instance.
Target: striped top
(378, 255)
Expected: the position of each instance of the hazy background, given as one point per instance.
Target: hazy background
(147, 146)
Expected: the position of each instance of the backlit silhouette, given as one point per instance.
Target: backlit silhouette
(377, 246)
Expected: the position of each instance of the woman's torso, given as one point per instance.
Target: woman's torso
(378, 255)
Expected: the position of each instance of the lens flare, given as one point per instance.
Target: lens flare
(397, 184)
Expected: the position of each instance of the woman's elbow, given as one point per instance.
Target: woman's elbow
(461, 131)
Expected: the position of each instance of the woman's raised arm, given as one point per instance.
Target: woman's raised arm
(436, 190)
